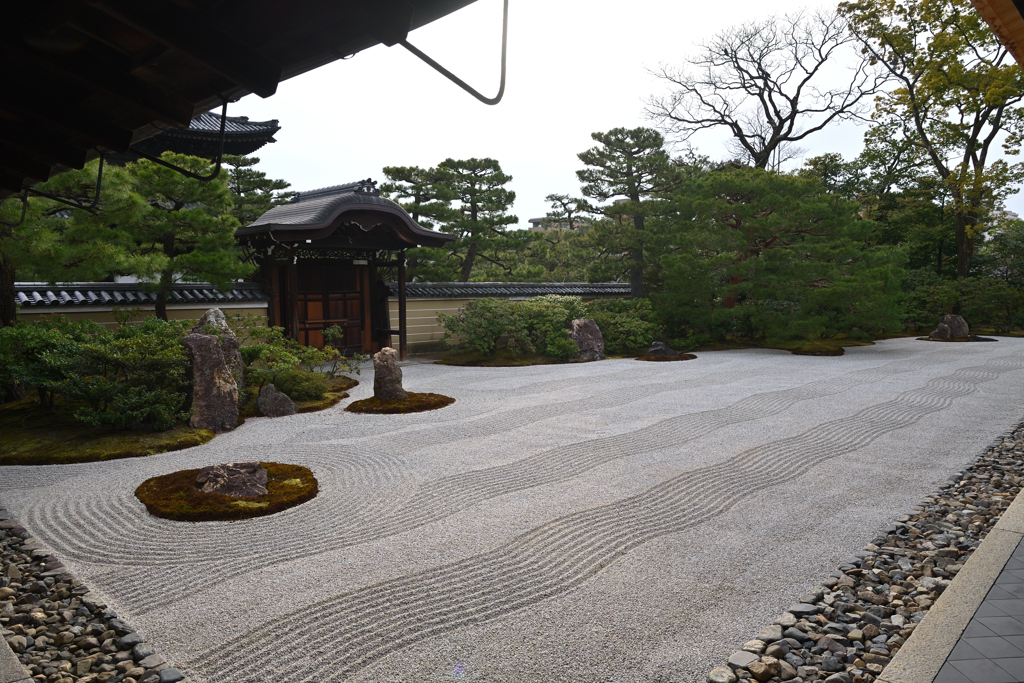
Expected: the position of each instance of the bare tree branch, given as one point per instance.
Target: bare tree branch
(765, 83)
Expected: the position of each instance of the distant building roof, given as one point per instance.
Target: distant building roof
(202, 137)
(317, 214)
(472, 290)
(42, 295)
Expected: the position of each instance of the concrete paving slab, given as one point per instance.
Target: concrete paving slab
(11, 670)
(589, 522)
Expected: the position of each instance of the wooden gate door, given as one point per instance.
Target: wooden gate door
(332, 294)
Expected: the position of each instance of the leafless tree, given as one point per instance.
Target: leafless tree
(771, 84)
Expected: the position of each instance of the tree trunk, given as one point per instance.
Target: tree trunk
(636, 271)
(8, 310)
(161, 305)
(964, 248)
(467, 263)
(730, 301)
(938, 269)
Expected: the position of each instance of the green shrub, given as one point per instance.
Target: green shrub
(301, 385)
(128, 378)
(482, 323)
(982, 301)
(627, 325)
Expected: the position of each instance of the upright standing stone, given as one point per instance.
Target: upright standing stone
(214, 322)
(951, 327)
(214, 387)
(587, 336)
(387, 376)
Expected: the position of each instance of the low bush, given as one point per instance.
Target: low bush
(129, 378)
(626, 324)
(301, 385)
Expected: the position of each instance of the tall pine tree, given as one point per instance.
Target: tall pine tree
(483, 221)
(630, 166)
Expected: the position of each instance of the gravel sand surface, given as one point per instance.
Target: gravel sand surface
(611, 521)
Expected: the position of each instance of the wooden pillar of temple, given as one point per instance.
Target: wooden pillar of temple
(293, 297)
(403, 348)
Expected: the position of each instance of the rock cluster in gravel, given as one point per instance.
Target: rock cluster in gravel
(847, 629)
(59, 631)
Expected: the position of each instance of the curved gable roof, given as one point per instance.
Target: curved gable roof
(317, 214)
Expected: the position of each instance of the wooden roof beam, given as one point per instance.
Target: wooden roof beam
(67, 155)
(168, 23)
(11, 183)
(19, 163)
(97, 132)
(105, 77)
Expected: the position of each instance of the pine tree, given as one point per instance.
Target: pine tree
(422, 192)
(482, 223)
(254, 193)
(633, 166)
(778, 256)
(186, 232)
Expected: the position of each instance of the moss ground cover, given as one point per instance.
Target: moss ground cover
(416, 403)
(37, 435)
(176, 496)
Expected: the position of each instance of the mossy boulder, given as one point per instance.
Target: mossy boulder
(177, 496)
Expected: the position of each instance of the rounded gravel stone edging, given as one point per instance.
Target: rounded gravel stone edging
(58, 630)
(847, 629)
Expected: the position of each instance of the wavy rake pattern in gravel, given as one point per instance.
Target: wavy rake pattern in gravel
(115, 528)
(345, 634)
(483, 415)
(241, 550)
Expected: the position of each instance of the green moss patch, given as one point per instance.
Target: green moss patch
(176, 496)
(661, 358)
(35, 435)
(416, 403)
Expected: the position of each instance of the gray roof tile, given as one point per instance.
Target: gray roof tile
(43, 295)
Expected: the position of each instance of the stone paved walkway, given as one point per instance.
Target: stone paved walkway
(614, 521)
(991, 649)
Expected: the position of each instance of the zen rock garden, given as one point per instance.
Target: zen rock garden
(632, 537)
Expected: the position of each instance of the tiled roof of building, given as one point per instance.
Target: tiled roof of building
(322, 209)
(470, 290)
(41, 294)
(202, 137)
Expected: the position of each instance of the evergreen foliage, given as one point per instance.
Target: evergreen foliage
(254, 193)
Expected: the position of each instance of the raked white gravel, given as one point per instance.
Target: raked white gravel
(612, 521)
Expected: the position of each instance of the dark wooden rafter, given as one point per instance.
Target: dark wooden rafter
(221, 52)
(16, 161)
(20, 137)
(98, 132)
(105, 77)
(84, 77)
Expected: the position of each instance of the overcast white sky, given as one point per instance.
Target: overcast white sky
(573, 68)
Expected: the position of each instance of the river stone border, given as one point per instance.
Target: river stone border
(60, 631)
(848, 628)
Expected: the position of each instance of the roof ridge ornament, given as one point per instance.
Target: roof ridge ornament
(458, 81)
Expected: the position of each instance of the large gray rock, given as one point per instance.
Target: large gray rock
(214, 399)
(951, 327)
(236, 479)
(721, 674)
(274, 403)
(213, 322)
(661, 349)
(387, 376)
(588, 338)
